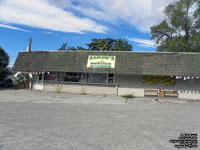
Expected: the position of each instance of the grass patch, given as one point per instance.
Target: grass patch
(156, 100)
(128, 97)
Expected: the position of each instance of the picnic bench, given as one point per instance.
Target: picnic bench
(151, 93)
(160, 93)
(170, 93)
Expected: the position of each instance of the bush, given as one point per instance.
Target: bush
(8, 83)
(21, 81)
(4, 71)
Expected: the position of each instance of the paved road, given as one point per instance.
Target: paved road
(34, 120)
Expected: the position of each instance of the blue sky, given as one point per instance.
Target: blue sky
(51, 23)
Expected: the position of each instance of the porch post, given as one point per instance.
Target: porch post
(43, 81)
(117, 89)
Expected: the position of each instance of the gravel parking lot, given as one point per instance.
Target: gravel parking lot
(35, 120)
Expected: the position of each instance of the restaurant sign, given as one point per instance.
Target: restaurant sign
(101, 61)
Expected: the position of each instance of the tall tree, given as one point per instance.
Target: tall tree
(180, 30)
(109, 44)
(123, 45)
(80, 48)
(106, 44)
(63, 47)
(71, 48)
(4, 60)
(102, 44)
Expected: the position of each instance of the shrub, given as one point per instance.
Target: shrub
(21, 81)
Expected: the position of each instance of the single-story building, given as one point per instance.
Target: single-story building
(113, 73)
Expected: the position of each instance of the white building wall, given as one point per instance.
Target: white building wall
(131, 84)
(128, 84)
(188, 89)
(80, 88)
(37, 85)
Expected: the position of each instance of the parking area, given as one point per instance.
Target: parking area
(31, 120)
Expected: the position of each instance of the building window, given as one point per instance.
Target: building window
(100, 78)
(40, 76)
(97, 78)
(37, 77)
(73, 77)
(52, 76)
(110, 78)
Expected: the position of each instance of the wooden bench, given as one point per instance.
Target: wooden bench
(171, 93)
(151, 93)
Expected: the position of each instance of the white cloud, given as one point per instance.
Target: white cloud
(143, 42)
(57, 15)
(60, 3)
(13, 28)
(45, 15)
(47, 32)
(140, 14)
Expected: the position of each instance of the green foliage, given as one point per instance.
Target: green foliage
(123, 45)
(4, 60)
(22, 77)
(80, 48)
(72, 48)
(21, 81)
(109, 44)
(63, 47)
(180, 31)
(4, 72)
(102, 44)
(5, 78)
(128, 96)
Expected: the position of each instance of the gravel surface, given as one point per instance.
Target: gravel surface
(35, 120)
